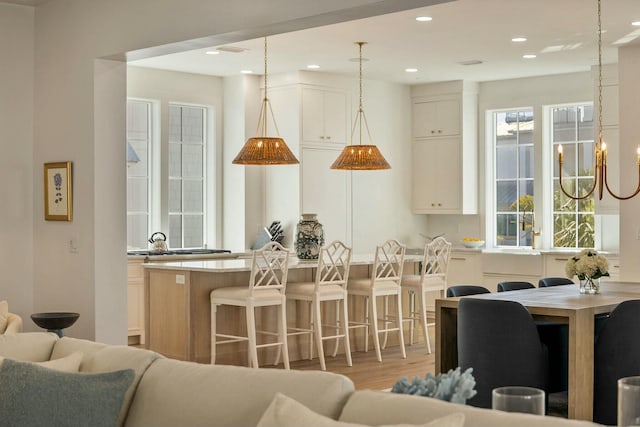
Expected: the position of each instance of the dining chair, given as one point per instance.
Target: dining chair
(464, 290)
(514, 286)
(499, 340)
(383, 282)
(554, 281)
(432, 278)
(616, 355)
(267, 283)
(329, 285)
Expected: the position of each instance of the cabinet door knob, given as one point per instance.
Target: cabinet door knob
(433, 204)
(439, 130)
(328, 137)
(439, 204)
(433, 131)
(322, 137)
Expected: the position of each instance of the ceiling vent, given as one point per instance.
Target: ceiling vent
(231, 49)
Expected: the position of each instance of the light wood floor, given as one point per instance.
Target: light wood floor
(368, 373)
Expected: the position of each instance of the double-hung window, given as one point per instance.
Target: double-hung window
(171, 196)
(513, 185)
(573, 220)
(567, 223)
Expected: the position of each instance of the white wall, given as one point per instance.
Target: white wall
(629, 110)
(69, 36)
(536, 93)
(16, 158)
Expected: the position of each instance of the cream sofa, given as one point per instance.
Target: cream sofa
(14, 324)
(171, 393)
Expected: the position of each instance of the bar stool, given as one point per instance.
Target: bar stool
(269, 268)
(432, 278)
(384, 282)
(330, 284)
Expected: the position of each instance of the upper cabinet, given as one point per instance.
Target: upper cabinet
(444, 148)
(324, 115)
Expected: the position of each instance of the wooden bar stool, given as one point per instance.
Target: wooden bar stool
(330, 285)
(269, 268)
(384, 282)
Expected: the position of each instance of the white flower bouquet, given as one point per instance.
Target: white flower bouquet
(454, 386)
(588, 264)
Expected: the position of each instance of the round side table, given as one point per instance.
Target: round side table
(55, 322)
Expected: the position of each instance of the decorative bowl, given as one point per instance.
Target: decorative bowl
(52, 321)
(473, 243)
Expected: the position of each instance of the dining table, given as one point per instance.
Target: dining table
(564, 304)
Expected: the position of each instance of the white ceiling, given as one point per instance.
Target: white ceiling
(562, 33)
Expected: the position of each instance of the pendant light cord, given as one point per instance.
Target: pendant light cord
(599, 75)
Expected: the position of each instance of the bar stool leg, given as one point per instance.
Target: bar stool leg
(214, 313)
(251, 335)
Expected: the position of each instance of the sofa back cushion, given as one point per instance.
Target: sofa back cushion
(28, 346)
(4, 314)
(174, 393)
(378, 407)
(100, 357)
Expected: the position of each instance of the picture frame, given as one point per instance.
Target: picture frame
(58, 194)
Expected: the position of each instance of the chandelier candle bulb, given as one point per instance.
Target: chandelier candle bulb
(638, 151)
(560, 153)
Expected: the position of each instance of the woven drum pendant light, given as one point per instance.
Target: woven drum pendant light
(263, 149)
(360, 157)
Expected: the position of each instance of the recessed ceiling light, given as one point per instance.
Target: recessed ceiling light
(636, 23)
(411, 70)
(212, 52)
(519, 39)
(313, 66)
(246, 71)
(529, 56)
(424, 18)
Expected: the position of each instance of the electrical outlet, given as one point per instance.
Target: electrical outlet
(179, 279)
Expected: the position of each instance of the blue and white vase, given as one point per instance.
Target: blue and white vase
(309, 237)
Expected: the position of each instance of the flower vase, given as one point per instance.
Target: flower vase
(589, 286)
(309, 237)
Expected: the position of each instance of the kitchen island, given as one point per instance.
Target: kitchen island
(178, 309)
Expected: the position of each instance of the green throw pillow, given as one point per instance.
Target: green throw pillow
(31, 395)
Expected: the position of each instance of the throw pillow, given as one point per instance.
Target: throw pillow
(31, 395)
(70, 363)
(286, 412)
(4, 313)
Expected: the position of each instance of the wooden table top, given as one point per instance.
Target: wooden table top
(567, 297)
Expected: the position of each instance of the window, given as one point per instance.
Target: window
(172, 198)
(513, 180)
(138, 183)
(573, 220)
(186, 176)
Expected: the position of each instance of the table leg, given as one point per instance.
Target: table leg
(446, 338)
(581, 365)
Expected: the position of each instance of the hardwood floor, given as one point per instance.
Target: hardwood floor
(368, 373)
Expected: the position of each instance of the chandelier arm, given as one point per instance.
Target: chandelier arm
(273, 117)
(614, 195)
(571, 196)
(353, 128)
(261, 129)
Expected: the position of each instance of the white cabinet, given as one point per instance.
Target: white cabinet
(444, 148)
(436, 117)
(554, 265)
(465, 268)
(324, 115)
(135, 301)
(436, 175)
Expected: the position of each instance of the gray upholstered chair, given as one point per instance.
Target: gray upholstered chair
(499, 340)
(514, 286)
(463, 290)
(616, 355)
(554, 281)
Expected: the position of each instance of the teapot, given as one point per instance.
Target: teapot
(158, 242)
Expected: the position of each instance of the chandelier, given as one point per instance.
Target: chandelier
(360, 157)
(600, 182)
(263, 149)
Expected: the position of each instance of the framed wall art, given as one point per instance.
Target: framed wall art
(58, 196)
